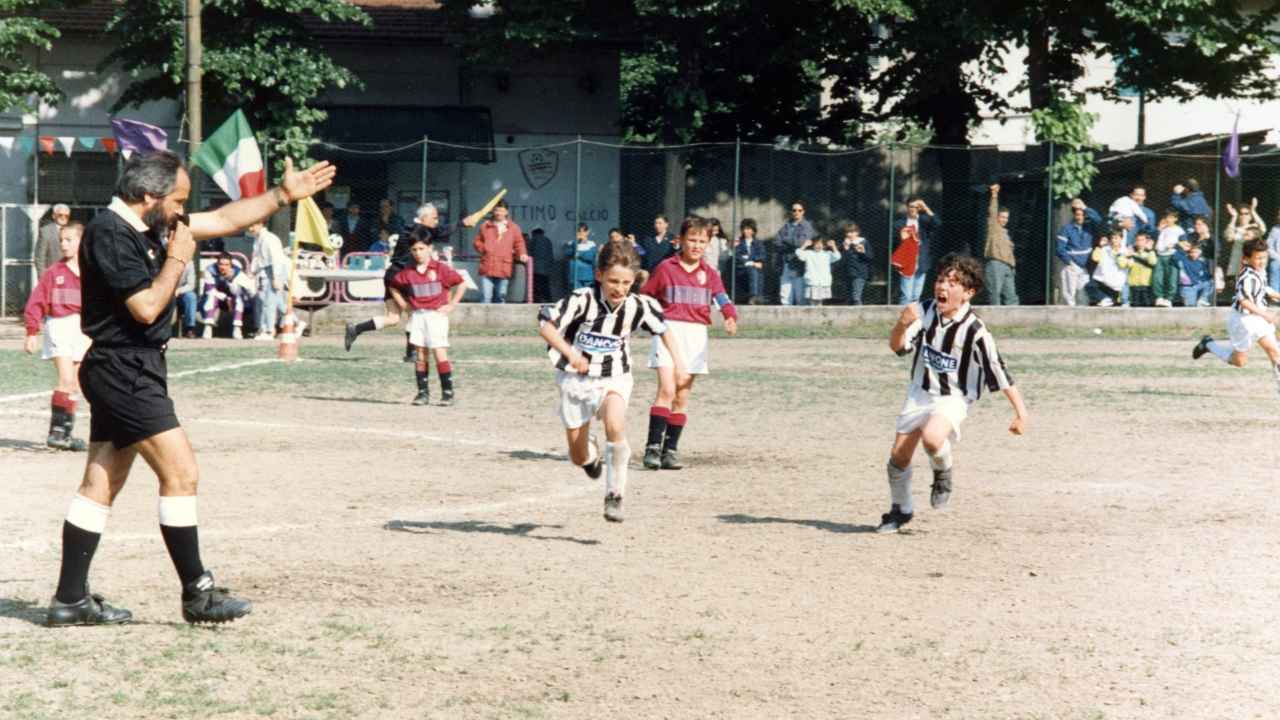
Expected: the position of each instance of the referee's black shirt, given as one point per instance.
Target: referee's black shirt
(401, 257)
(118, 257)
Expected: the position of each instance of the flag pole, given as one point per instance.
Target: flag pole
(288, 348)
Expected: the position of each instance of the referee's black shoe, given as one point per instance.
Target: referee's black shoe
(350, 338)
(892, 521)
(204, 603)
(89, 610)
(1201, 347)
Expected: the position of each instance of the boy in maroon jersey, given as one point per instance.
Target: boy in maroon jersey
(55, 305)
(686, 287)
(430, 290)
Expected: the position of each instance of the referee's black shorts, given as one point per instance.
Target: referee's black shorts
(128, 393)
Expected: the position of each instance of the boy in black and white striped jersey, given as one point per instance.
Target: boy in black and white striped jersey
(1250, 321)
(954, 360)
(588, 334)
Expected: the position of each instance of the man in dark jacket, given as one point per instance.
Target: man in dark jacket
(544, 263)
(658, 247)
(1189, 202)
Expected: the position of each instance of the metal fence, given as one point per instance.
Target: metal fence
(554, 187)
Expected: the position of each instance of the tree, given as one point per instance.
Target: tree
(257, 56)
(20, 81)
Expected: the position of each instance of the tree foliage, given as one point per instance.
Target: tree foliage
(20, 32)
(257, 56)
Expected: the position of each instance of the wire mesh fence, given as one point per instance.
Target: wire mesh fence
(854, 203)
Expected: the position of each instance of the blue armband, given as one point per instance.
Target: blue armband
(722, 299)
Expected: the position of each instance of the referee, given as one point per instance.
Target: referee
(131, 259)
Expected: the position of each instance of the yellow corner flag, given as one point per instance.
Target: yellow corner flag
(311, 228)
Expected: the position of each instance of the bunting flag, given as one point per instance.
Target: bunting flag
(126, 153)
(46, 144)
(88, 143)
(6, 144)
(109, 144)
(232, 159)
(1231, 158)
(26, 144)
(68, 144)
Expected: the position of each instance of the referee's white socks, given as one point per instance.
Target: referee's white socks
(940, 460)
(616, 457)
(1221, 349)
(900, 488)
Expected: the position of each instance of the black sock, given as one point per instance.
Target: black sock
(78, 547)
(183, 544)
(445, 368)
(675, 426)
(422, 374)
(366, 326)
(657, 425)
(408, 346)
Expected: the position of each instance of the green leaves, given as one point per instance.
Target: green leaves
(1067, 125)
(20, 81)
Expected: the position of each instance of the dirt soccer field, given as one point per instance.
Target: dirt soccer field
(1122, 560)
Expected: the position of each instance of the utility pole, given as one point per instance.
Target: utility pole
(195, 120)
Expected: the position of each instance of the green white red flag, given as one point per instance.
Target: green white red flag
(232, 159)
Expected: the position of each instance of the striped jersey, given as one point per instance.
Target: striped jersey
(687, 296)
(1252, 287)
(427, 290)
(599, 332)
(955, 357)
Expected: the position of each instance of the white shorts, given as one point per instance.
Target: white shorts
(582, 397)
(920, 406)
(1245, 330)
(429, 329)
(62, 338)
(691, 338)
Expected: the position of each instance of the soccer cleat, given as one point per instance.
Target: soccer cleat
(653, 456)
(264, 337)
(423, 398)
(350, 338)
(237, 333)
(208, 332)
(613, 507)
(446, 397)
(594, 470)
(893, 520)
(89, 610)
(670, 460)
(1201, 347)
(1106, 302)
(940, 491)
(204, 603)
(62, 441)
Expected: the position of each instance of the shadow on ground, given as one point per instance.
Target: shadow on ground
(834, 527)
(27, 445)
(369, 401)
(531, 455)
(31, 611)
(524, 530)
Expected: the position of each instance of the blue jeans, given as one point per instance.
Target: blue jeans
(270, 305)
(910, 288)
(751, 280)
(493, 290)
(1193, 294)
(187, 305)
(791, 288)
(1273, 273)
(856, 286)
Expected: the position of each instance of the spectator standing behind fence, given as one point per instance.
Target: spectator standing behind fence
(388, 221)
(1142, 265)
(223, 290)
(270, 270)
(1273, 254)
(1134, 206)
(657, 247)
(1189, 202)
(748, 257)
(187, 300)
(48, 244)
(857, 262)
(544, 261)
(1075, 243)
(1109, 266)
(1195, 274)
(926, 225)
(1243, 218)
(717, 251)
(500, 243)
(818, 256)
(361, 231)
(1001, 279)
(1164, 284)
(791, 237)
(582, 259)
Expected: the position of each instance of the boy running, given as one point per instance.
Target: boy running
(1250, 321)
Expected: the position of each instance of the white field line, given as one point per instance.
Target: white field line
(211, 369)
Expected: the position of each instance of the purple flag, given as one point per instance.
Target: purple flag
(139, 137)
(1231, 158)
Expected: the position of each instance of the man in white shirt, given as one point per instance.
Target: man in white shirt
(270, 269)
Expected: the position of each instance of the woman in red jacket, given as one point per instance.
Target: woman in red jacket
(55, 305)
(500, 244)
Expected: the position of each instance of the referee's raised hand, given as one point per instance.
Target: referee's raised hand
(298, 184)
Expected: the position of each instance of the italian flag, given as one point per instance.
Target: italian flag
(232, 159)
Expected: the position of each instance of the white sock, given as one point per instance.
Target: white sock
(1221, 349)
(87, 514)
(900, 488)
(379, 322)
(616, 456)
(178, 511)
(941, 460)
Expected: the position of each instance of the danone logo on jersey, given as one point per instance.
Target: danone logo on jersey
(590, 342)
(940, 362)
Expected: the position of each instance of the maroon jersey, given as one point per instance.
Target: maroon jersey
(687, 296)
(426, 290)
(56, 295)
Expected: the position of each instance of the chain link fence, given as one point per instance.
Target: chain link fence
(556, 186)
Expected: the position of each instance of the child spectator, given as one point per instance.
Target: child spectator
(1165, 281)
(223, 290)
(748, 256)
(1195, 275)
(1142, 265)
(1109, 265)
(582, 259)
(818, 255)
(857, 254)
